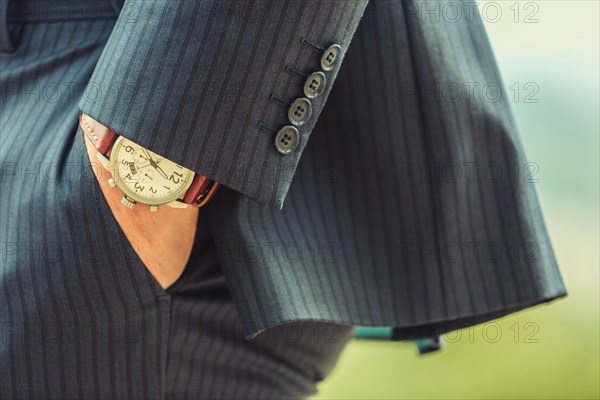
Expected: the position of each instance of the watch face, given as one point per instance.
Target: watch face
(145, 176)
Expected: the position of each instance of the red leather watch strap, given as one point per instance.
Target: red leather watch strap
(102, 137)
(201, 191)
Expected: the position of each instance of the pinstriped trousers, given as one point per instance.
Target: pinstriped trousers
(79, 322)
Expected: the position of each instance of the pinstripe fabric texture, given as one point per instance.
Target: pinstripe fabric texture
(80, 316)
(412, 205)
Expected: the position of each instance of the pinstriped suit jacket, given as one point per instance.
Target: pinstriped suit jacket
(409, 201)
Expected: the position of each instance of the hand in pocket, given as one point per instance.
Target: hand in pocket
(163, 239)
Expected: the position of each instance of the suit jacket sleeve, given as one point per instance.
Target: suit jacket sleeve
(208, 84)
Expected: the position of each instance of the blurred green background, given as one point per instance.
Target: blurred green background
(558, 53)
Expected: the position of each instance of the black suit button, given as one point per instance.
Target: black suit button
(287, 139)
(314, 84)
(300, 111)
(331, 57)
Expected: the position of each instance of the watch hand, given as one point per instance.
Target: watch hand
(155, 165)
(160, 171)
(147, 154)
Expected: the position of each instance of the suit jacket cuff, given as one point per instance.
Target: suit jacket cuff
(208, 84)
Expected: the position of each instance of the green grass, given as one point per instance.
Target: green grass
(562, 364)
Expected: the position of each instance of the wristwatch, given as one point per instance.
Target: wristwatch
(143, 176)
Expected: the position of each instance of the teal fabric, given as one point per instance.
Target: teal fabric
(368, 332)
(424, 346)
